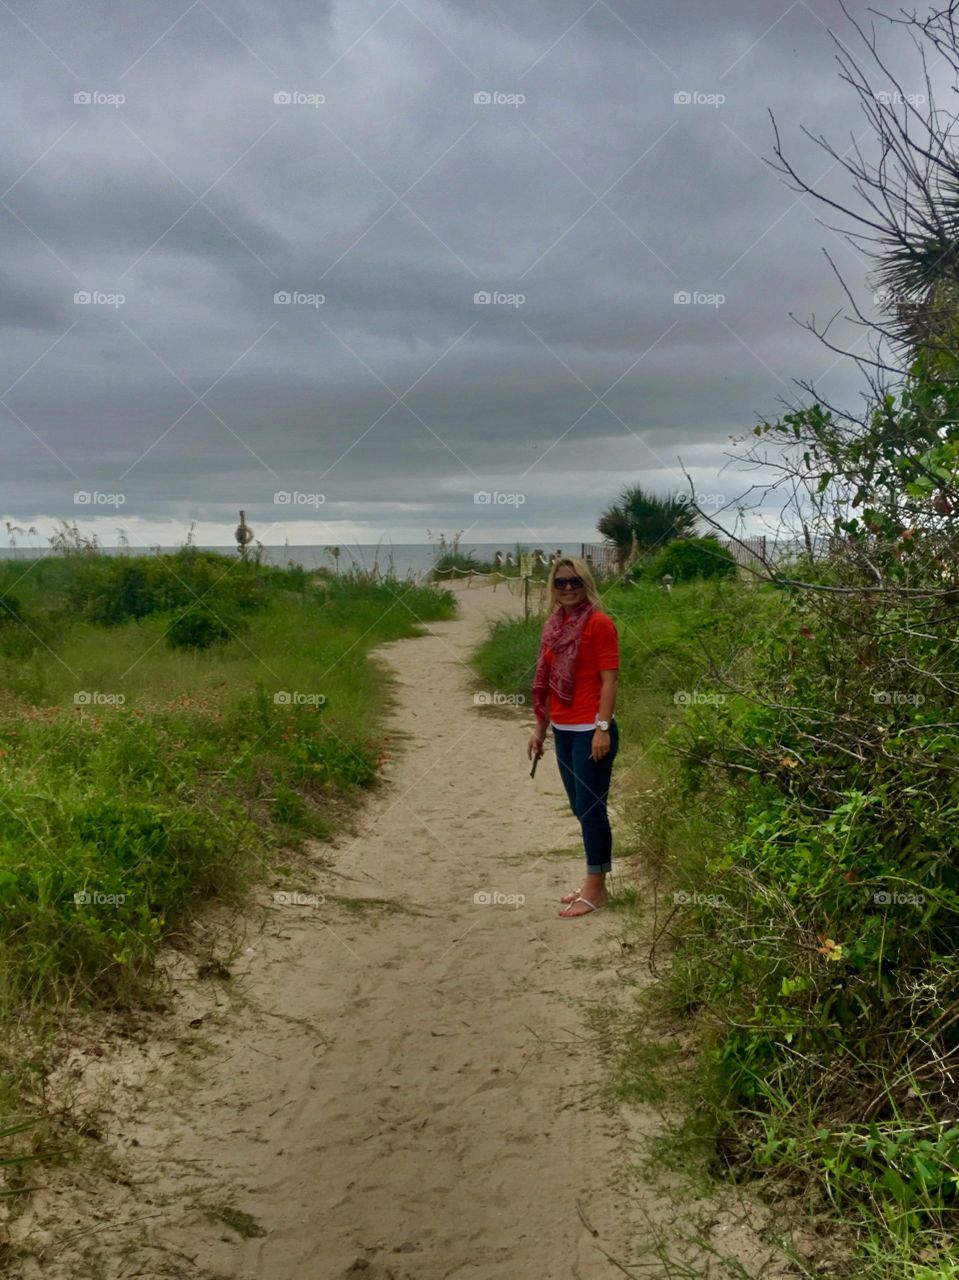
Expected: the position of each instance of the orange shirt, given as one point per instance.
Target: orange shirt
(598, 651)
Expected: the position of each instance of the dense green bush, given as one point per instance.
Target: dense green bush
(198, 628)
(10, 610)
(688, 558)
(112, 589)
(825, 938)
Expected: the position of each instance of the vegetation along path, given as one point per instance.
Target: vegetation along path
(403, 1087)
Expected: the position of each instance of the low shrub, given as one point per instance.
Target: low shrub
(685, 559)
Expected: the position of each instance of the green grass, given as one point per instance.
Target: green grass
(681, 653)
(506, 660)
(179, 775)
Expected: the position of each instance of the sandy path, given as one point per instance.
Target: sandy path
(403, 1094)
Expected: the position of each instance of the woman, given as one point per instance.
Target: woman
(574, 692)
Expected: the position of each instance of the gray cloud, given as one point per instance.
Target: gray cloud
(598, 199)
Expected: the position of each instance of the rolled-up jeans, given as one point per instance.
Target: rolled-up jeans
(587, 784)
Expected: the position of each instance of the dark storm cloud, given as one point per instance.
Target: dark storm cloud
(598, 199)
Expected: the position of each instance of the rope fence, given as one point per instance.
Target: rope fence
(528, 587)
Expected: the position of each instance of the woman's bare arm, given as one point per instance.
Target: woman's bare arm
(607, 697)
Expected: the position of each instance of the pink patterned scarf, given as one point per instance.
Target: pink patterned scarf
(562, 633)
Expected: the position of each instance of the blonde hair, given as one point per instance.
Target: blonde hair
(582, 571)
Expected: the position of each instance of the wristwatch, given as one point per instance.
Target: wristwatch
(603, 724)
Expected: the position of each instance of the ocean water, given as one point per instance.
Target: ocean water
(402, 560)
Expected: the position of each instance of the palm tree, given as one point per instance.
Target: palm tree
(614, 525)
(639, 521)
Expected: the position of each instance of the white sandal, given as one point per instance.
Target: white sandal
(592, 907)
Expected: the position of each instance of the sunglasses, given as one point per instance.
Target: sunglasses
(567, 584)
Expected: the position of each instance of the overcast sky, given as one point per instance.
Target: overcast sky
(382, 196)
